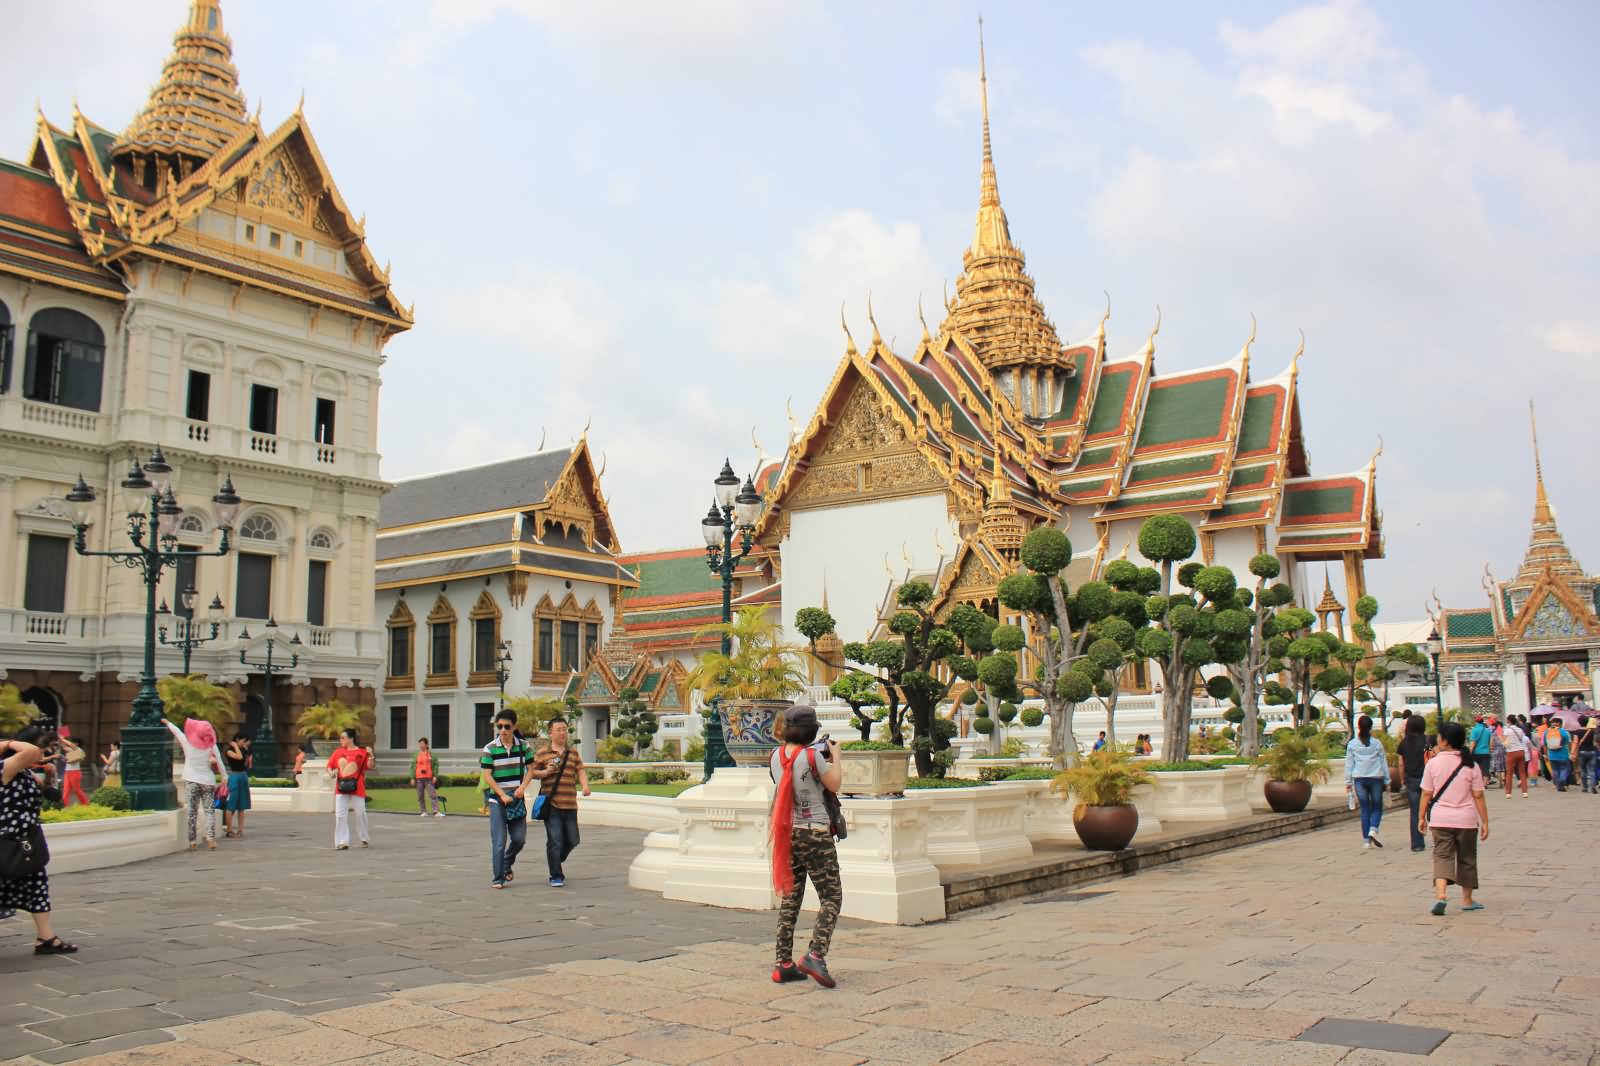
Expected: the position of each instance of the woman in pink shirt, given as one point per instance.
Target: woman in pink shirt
(1452, 792)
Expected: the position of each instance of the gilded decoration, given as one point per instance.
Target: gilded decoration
(865, 456)
(278, 186)
(568, 506)
(1552, 620)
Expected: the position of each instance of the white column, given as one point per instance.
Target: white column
(9, 544)
(298, 565)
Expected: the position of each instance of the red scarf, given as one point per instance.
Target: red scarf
(781, 825)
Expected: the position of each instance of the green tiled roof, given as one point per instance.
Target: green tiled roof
(1189, 496)
(1505, 598)
(935, 394)
(1234, 510)
(669, 577)
(1255, 432)
(1469, 624)
(1096, 457)
(1189, 410)
(650, 681)
(679, 614)
(1311, 502)
(1194, 464)
(1108, 400)
(1253, 475)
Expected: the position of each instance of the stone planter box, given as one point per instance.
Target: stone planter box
(969, 826)
(92, 845)
(873, 774)
(622, 811)
(1203, 795)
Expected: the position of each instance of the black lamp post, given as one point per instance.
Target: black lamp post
(146, 745)
(1431, 648)
(188, 630)
(734, 508)
(502, 665)
(265, 749)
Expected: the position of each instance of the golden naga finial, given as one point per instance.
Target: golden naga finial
(925, 336)
(1150, 342)
(947, 308)
(300, 108)
(584, 436)
(603, 461)
(887, 569)
(794, 427)
(850, 341)
(1294, 360)
(1373, 462)
(1101, 333)
(905, 556)
(1245, 351)
(877, 338)
(542, 433)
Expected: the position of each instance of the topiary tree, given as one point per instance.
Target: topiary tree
(1066, 627)
(194, 696)
(636, 724)
(1130, 585)
(1191, 629)
(1255, 625)
(859, 691)
(1304, 655)
(1385, 665)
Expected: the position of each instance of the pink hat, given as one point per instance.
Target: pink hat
(199, 732)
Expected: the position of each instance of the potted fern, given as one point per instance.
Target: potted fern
(325, 721)
(751, 685)
(1105, 818)
(1292, 765)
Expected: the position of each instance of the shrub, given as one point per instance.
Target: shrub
(696, 752)
(869, 745)
(268, 782)
(942, 782)
(118, 799)
(1212, 744)
(1012, 749)
(1105, 778)
(1031, 773)
(1185, 766)
(1007, 712)
(1032, 717)
(983, 725)
(81, 813)
(653, 777)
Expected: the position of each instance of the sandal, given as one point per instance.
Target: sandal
(511, 875)
(54, 946)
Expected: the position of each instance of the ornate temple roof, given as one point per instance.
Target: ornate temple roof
(1547, 550)
(196, 109)
(995, 307)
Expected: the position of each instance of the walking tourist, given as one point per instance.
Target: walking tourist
(239, 762)
(1556, 742)
(1516, 745)
(507, 772)
(111, 766)
(561, 767)
(1452, 794)
(425, 779)
(202, 762)
(1481, 740)
(1497, 751)
(1588, 754)
(349, 766)
(25, 885)
(1366, 774)
(72, 780)
(1413, 759)
(802, 843)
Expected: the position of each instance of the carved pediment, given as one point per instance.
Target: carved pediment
(864, 456)
(278, 184)
(1554, 612)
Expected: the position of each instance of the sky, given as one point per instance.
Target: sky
(648, 215)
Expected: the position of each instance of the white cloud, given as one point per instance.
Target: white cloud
(563, 317)
(1573, 338)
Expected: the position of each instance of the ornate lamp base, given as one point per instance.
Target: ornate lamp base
(716, 749)
(147, 757)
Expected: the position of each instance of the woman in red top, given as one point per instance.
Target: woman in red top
(349, 766)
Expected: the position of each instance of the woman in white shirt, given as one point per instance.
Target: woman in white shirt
(1516, 745)
(201, 763)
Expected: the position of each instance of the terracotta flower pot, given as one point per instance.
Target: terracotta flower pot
(1396, 782)
(750, 729)
(1105, 828)
(1288, 797)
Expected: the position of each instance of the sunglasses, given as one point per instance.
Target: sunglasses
(505, 728)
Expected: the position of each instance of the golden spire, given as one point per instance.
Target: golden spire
(196, 108)
(1001, 526)
(1547, 550)
(995, 307)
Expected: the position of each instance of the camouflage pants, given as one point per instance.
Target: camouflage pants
(811, 853)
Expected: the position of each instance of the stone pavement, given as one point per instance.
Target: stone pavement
(1225, 959)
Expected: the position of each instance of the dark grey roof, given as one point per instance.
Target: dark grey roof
(512, 483)
(447, 538)
(603, 567)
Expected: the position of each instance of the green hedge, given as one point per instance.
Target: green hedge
(1185, 766)
(442, 781)
(1033, 773)
(869, 745)
(650, 777)
(274, 782)
(117, 799)
(942, 782)
(82, 813)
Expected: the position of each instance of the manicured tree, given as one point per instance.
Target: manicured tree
(1249, 670)
(1067, 627)
(1303, 653)
(636, 724)
(1186, 634)
(1385, 665)
(1130, 585)
(859, 691)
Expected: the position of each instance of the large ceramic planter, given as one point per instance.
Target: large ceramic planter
(1396, 782)
(1106, 828)
(872, 774)
(750, 729)
(1287, 797)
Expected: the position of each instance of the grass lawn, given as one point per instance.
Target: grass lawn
(467, 800)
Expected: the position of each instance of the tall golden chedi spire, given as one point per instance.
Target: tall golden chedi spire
(995, 307)
(194, 110)
(1546, 548)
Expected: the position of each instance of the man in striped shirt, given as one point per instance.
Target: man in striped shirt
(507, 771)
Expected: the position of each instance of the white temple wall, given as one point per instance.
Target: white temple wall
(846, 547)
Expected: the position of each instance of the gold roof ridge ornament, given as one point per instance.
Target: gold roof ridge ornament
(926, 338)
(1150, 342)
(850, 341)
(877, 338)
(1101, 332)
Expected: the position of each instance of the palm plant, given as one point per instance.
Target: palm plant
(194, 696)
(1104, 778)
(762, 665)
(326, 721)
(1292, 758)
(535, 713)
(15, 712)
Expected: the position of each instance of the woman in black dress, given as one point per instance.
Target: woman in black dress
(19, 813)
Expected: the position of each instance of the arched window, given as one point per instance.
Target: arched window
(321, 540)
(258, 527)
(192, 523)
(66, 358)
(402, 668)
(5, 348)
(441, 644)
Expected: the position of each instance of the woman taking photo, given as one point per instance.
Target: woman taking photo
(33, 746)
(1366, 773)
(349, 766)
(802, 843)
(239, 761)
(1454, 808)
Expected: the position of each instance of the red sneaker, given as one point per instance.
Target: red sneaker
(787, 971)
